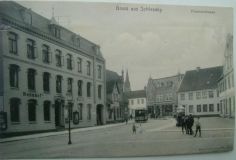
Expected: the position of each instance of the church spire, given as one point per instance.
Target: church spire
(127, 87)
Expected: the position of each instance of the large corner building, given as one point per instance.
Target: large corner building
(47, 72)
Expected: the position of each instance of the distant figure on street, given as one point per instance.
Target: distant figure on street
(186, 120)
(126, 120)
(134, 128)
(183, 124)
(131, 117)
(198, 127)
(191, 122)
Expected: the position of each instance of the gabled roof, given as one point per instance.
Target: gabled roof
(112, 79)
(200, 79)
(136, 94)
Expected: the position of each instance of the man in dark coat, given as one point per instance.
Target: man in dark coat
(191, 122)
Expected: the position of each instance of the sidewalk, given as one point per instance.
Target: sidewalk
(75, 130)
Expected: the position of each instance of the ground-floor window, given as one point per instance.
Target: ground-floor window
(32, 110)
(89, 106)
(15, 109)
(204, 108)
(190, 108)
(211, 107)
(46, 110)
(199, 109)
(218, 107)
(80, 111)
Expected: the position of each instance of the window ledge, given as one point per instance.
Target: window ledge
(15, 88)
(15, 123)
(32, 122)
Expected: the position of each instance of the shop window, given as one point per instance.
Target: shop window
(46, 110)
(15, 109)
(32, 110)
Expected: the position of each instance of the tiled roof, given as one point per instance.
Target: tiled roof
(136, 94)
(112, 78)
(200, 79)
(17, 13)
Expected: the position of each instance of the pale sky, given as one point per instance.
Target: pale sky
(156, 44)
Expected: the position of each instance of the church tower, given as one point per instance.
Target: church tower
(127, 87)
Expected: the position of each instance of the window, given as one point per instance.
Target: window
(182, 96)
(46, 110)
(211, 107)
(190, 96)
(218, 107)
(99, 71)
(14, 75)
(15, 109)
(88, 68)
(89, 111)
(199, 108)
(46, 82)
(70, 87)
(57, 32)
(58, 58)
(80, 111)
(198, 95)
(79, 65)
(99, 91)
(204, 107)
(32, 110)
(132, 101)
(12, 43)
(31, 79)
(142, 101)
(204, 94)
(59, 84)
(69, 62)
(190, 108)
(31, 54)
(211, 94)
(80, 87)
(88, 89)
(46, 54)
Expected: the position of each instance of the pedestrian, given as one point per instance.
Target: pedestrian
(140, 128)
(183, 124)
(134, 128)
(191, 122)
(126, 120)
(186, 119)
(198, 127)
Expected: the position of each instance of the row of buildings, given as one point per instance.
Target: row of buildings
(50, 75)
(200, 92)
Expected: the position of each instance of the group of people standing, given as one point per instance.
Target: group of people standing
(187, 123)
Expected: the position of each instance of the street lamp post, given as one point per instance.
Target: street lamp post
(69, 108)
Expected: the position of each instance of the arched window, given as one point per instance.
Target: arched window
(46, 81)
(46, 110)
(31, 79)
(15, 109)
(32, 110)
(14, 75)
(80, 87)
(99, 91)
(88, 89)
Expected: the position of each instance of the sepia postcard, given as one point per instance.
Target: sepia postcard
(115, 80)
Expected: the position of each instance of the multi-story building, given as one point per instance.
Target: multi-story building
(226, 82)
(46, 73)
(198, 94)
(137, 100)
(162, 95)
(115, 97)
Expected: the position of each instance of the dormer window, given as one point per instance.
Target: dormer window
(57, 32)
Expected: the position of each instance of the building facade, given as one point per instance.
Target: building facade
(198, 94)
(137, 100)
(116, 105)
(48, 73)
(226, 82)
(162, 95)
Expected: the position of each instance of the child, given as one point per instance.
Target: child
(198, 127)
